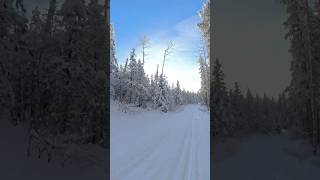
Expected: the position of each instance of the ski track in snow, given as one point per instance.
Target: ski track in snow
(154, 145)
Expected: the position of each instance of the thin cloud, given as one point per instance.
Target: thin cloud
(182, 64)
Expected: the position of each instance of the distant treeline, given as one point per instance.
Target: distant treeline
(129, 84)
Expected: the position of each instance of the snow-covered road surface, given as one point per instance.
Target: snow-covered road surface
(262, 157)
(150, 145)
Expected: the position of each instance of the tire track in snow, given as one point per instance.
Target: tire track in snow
(190, 162)
(187, 157)
(139, 159)
(196, 141)
(171, 152)
(164, 162)
(180, 156)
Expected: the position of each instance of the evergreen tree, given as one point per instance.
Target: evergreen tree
(237, 101)
(249, 109)
(205, 82)
(36, 22)
(303, 31)
(177, 94)
(219, 102)
(162, 95)
(142, 85)
(204, 25)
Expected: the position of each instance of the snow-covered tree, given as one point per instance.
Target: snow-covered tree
(205, 81)
(303, 33)
(36, 23)
(218, 98)
(178, 94)
(204, 25)
(143, 86)
(162, 94)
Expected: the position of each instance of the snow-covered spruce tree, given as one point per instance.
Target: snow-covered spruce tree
(204, 27)
(21, 47)
(269, 118)
(121, 88)
(55, 72)
(205, 82)
(133, 82)
(13, 49)
(236, 101)
(97, 63)
(133, 86)
(35, 50)
(298, 65)
(178, 94)
(315, 37)
(50, 21)
(260, 118)
(219, 102)
(162, 95)
(49, 73)
(75, 75)
(80, 69)
(282, 107)
(142, 86)
(154, 88)
(132, 89)
(114, 67)
(36, 23)
(249, 109)
(303, 33)
(190, 97)
(49, 78)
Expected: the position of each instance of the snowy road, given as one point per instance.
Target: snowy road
(152, 145)
(276, 157)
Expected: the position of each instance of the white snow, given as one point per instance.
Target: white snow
(262, 157)
(15, 165)
(149, 145)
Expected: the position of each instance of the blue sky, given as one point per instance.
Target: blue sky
(161, 21)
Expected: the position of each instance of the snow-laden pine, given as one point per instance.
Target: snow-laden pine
(131, 85)
(54, 73)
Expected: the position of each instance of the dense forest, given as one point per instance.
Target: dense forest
(297, 107)
(304, 93)
(54, 77)
(234, 112)
(54, 73)
(130, 85)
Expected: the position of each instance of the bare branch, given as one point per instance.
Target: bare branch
(167, 52)
(145, 44)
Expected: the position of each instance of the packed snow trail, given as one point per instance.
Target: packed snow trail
(150, 145)
(262, 157)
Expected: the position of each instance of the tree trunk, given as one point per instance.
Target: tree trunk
(164, 58)
(310, 77)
